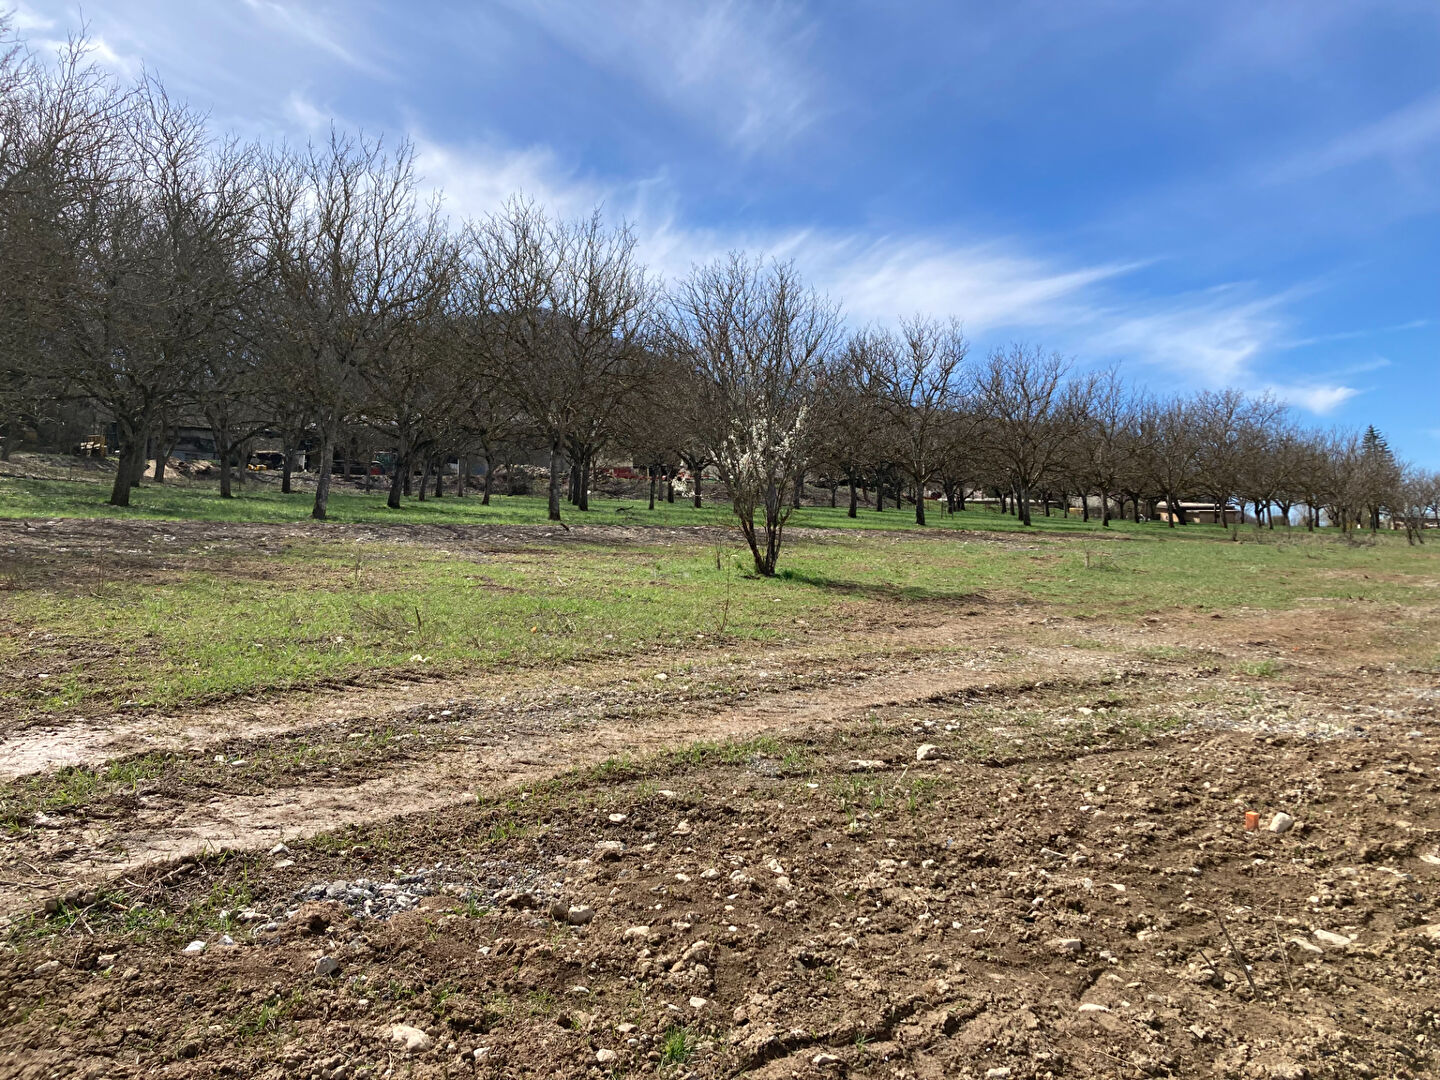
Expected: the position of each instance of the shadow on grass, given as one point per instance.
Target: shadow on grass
(882, 590)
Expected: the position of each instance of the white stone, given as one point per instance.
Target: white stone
(195, 947)
(605, 1057)
(1093, 1007)
(411, 1038)
(1281, 822)
(927, 752)
(636, 933)
(698, 1003)
(1327, 937)
(579, 916)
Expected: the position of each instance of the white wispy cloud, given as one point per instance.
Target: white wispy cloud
(314, 26)
(1396, 138)
(737, 66)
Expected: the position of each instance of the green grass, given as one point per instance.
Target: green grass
(219, 618)
(261, 501)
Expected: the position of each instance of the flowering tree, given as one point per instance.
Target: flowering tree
(755, 339)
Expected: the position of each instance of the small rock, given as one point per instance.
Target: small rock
(998, 1073)
(480, 1053)
(579, 916)
(927, 752)
(1065, 945)
(49, 967)
(866, 765)
(660, 676)
(682, 829)
(327, 965)
(608, 849)
(605, 1057)
(195, 947)
(279, 849)
(413, 1039)
(1093, 1007)
(188, 1050)
(106, 959)
(1281, 822)
(636, 933)
(284, 864)
(825, 1061)
(617, 819)
(698, 1003)
(1307, 946)
(1327, 937)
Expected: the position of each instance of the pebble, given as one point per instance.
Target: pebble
(1281, 822)
(866, 765)
(609, 849)
(1093, 1007)
(617, 819)
(605, 1057)
(1065, 944)
(927, 752)
(998, 1073)
(579, 915)
(279, 849)
(284, 864)
(682, 829)
(1328, 937)
(698, 1003)
(48, 967)
(327, 965)
(195, 947)
(824, 1061)
(480, 1053)
(636, 933)
(412, 1038)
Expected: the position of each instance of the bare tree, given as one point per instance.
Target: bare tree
(1030, 419)
(572, 308)
(914, 377)
(756, 339)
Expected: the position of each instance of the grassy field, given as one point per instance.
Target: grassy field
(160, 619)
(179, 499)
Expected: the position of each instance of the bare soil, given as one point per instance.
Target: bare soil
(1063, 886)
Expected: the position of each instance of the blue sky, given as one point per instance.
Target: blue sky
(1207, 193)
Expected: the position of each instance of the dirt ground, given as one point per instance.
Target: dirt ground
(937, 845)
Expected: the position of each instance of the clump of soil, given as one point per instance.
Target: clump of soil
(1091, 905)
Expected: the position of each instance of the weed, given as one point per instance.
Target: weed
(677, 1046)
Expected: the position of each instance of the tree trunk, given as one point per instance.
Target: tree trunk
(1104, 508)
(462, 474)
(651, 471)
(287, 468)
(557, 462)
(397, 482)
(919, 504)
(424, 477)
(670, 485)
(322, 476)
(489, 481)
(1023, 504)
(584, 501)
(440, 476)
(854, 502)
